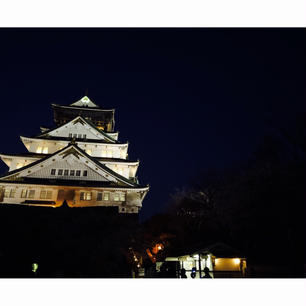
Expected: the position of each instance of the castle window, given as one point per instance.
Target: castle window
(88, 196)
(9, 193)
(116, 197)
(85, 196)
(53, 171)
(6, 193)
(66, 172)
(75, 135)
(24, 193)
(105, 196)
(71, 172)
(122, 197)
(60, 172)
(88, 151)
(31, 194)
(12, 193)
(43, 194)
(78, 173)
(84, 136)
(49, 194)
(70, 135)
(46, 194)
(45, 150)
(80, 136)
(39, 150)
(85, 173)
(99, 196)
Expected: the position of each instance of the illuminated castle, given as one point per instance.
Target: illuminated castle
(79, 162)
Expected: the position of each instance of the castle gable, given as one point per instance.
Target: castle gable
(70, 163)
(78, 128)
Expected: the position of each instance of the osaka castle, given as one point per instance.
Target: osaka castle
(80, 163)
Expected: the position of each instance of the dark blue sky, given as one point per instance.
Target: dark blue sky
(186, 99)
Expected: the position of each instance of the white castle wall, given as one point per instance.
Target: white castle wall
(124, 169)
(92, 149)
(131, 204)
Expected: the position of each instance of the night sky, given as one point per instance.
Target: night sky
(187, 100)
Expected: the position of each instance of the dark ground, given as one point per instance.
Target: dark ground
(65, 242)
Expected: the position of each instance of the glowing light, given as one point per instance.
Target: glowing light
(138, 265)
(158, 247)
(34, 267)
(135, 259)
(216, 261)
(237, 261)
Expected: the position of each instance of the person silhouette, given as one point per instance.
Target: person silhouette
(206, 273)
(183, 273)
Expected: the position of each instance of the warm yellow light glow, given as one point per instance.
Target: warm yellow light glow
(105, 196)
(237, 261)
(135, 259)
(122, 197)
(158, 247)
(45, 150)
(39, 150)
(216, 261)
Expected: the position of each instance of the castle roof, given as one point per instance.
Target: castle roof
(41, 155)
(78, 119)
(84, 102)
(107, 177)
(89, 141)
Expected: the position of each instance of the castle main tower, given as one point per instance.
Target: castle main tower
(79, 162)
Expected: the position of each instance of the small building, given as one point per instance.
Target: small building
(222, 261)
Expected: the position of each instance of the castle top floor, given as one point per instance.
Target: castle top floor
(101, 118)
